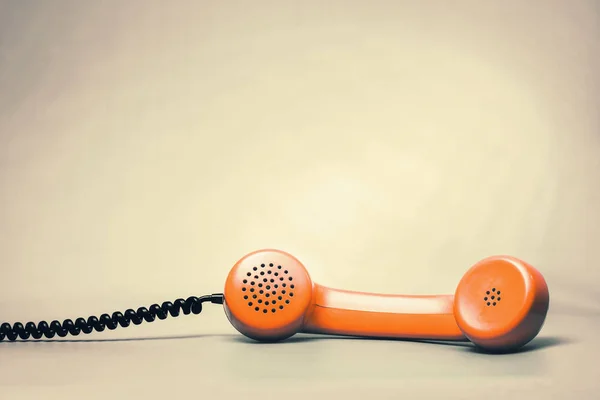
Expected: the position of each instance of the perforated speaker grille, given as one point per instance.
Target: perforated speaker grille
(268, 288)
(492, 297)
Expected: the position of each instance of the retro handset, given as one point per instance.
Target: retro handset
(499, 305)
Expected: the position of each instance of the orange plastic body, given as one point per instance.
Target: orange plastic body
(342, 312)
(500, 304)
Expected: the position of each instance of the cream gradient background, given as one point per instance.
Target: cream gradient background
(146, 146)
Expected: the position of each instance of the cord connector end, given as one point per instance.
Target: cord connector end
(217, 298)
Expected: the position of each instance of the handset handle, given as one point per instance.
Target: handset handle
(350, 313)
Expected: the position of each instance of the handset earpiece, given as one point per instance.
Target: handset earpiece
(501, 303)
(269, 296)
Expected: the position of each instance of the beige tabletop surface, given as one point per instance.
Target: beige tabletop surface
(145, 146)
(201, 363)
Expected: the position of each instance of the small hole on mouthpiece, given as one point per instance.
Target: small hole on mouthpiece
(280, 298)
(269, 271)
(488, 303)
(243, 289)
(281, 278)
(291, 294)
(262, 272)
(268, 287)
(488, 292)
(259, 301)
(245, 297)
(485, 298)
(255, 276)
(260, 285)
(290, 278)
(266, 303)
(250, 303)
(245, 281)
(287, 302)
(262, 265)
(252, 283)
(265, 310)
(281, 307)
(272, 310)
(493, 297)
(267, 295)
(249, 274)
(265, 280)
(254, 269)
(276, 273)
(261, 291)
(498, 299)
(291, 286)
(270, 265)
(254, 296)
(283, 291)
(274, 292)
(493, 289)
(498, 292)
(494, 303)
(252, 289)
(285, 272)
(256, 308)
(279, 267)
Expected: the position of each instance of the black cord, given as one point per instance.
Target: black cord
(191, 305)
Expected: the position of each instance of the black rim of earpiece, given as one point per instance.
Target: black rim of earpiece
(68, 327)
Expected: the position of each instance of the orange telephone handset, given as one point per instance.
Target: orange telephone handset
(500, 304)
